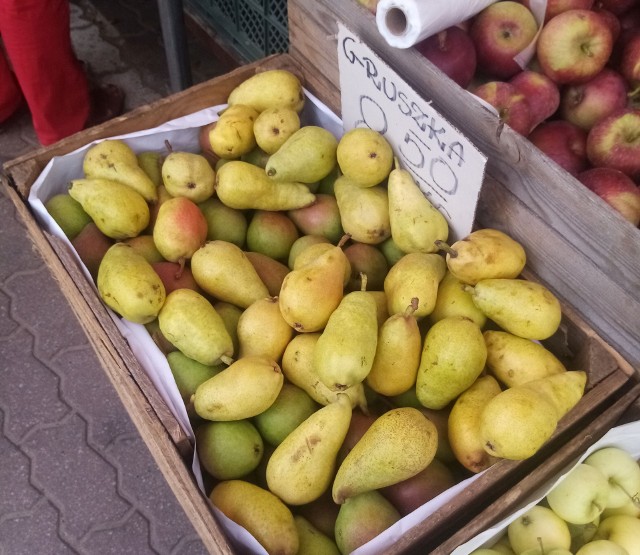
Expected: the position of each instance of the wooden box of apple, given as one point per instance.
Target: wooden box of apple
(341, 364)
(562, 144)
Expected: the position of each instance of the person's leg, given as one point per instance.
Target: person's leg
(10, 95)
(37, 39)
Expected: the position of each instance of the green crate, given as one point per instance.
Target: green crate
(253, 29)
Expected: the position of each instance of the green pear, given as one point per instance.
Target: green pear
(117, 209)
(454, 300)
(271, 88)
(190, 323)
(260, 512)
(564, 390)
(128, 285)
(271, 233)
(91, 245)
(365, 156)
(398, 445)
(257, 157)
(180, 229)
(416, 224)
(415, 275)
(145, 245)
(307, 156)
(232, 135)
(274, 126)
(300, 244)
(292, 406)
(243, 186)
(364, 212)
(224, 223)
(521, 307)
(228, 450)
(325, 186)
(189, 175)
(453, 357)
(270, 271)
(320, 218)
(244, 389)
(312, 540)
(391, 251)
(230, 315)
(224, 271)
(368, 260)
(113, 159)
(68, 214)
(189, 374)
(301, 468)
(262, 330)
(151, 163)
(514, 360)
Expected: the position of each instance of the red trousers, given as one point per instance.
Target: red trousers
(41, 68)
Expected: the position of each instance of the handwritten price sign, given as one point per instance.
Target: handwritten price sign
(447, 167)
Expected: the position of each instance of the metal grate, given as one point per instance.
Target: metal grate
(251, 28)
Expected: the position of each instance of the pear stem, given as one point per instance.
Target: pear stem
(446, 248)
(344, 239)
(411, 308)
(181, 262)
(167, 144)
(363, 281)
(227, 360)
(396, 163)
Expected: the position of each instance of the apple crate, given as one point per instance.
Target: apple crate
(610, 376)
(575, 241)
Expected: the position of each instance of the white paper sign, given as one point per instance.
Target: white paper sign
(447, 167)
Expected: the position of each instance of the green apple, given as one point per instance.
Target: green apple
(601, 547)
(503, 546)
(622, 472)
(581, 496)
(539, 525)
(623, 530)
(629, 508)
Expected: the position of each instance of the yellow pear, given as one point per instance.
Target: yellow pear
(223, 270)
(262, 330)
(260, 512)
(453, 300)
(399, 444)
(464, 424)
(186, 174)
(128, 284)
(151, 161)
(274, 126)
(244, 389)
(310, 253)
(365, 156)
(564, 390)
(232, 135)
(312, 540)
(269, 89)
(192, 325)
(301, 468)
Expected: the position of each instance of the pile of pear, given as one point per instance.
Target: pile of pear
(341, 363)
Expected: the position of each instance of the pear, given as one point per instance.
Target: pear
(114, 160)
(274, 126)
(227, 224)
(312, 252)
(369, 261)
(397, 357)
(300, 244)
(564, 389)
(262, 330)
(189, 374)
(257, 157)
(230, 315)
(464, 424)
(190, 323)
(297, 366)
(292, 407)
(180, 229)
(243, 186)
(232, 136)
(485, 254)
(519, 306)
(223, 270)
(270, 271)
(117, 209)
(514, 360)
(174, 276)
(416, 224)
(310, 294)
(380, 299)
(398, 445)
(301, 468)
(271, 233)
(128, 284)
(91, 245)
(151, 163)
(346, 348)
(145, 245)
(391, 251)
(186, 174)
(414, 275)
(364, 212)
(260, 512)
(68, 214)
(453, 357)
(365, 156)
(244, 389)
(312, 540)
(325, 186)
(440, 419)
(454, 300)
(154, 207)
(271, 88)
(320, 218)
(307, 156)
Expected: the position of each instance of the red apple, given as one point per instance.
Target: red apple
(542, 94)
(587, 103)
(512, 106)
(574, 46)
(452, 52)
(612, 22)
(616, 189)
(617, 7)
(563, 142)
(554, 7)
(630, 61)
(614, 142)
(500, 32)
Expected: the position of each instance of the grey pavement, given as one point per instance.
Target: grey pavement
(75, 474)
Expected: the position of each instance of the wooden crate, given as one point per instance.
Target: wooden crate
(576, 242)
(576, 342)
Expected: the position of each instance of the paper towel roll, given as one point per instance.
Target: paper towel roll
(403, 23)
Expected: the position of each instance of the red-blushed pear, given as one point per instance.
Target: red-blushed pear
(614, 142)
(563, 142)
(574, 46)
(616, 189)
(542, 94)
(585, 104)
(554, 7)
(452, 51)
(630, 62)
(511, 105)
(91, 245)
(500, 32)
(617, 7)
(174, 277)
